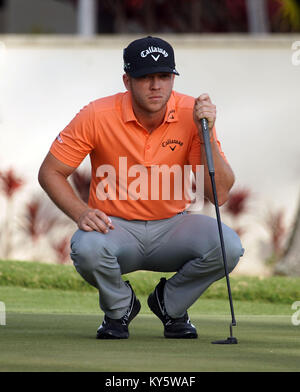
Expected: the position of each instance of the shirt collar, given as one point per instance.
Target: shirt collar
(127, 111)
(128, 114)
(171, 113)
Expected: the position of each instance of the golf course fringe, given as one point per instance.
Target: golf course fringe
(275, 289)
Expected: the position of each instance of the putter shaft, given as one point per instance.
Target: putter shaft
(211, 170)
(223, 249)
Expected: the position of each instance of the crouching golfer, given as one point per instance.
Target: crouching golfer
(135, 218)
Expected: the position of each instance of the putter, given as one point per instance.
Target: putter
(210, 164)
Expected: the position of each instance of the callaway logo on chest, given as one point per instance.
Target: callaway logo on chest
(154, 49)
(172, 141)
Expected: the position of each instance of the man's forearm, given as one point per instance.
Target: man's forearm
(62, 194)
(224, 176)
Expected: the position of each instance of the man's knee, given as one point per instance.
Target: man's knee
(88, 249)
(233, 248)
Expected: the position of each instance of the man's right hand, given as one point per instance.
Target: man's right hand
(93, 219)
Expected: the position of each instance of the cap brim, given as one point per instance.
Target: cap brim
(152, 70)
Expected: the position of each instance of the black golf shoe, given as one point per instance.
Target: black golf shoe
(176, 328)
(118, 328)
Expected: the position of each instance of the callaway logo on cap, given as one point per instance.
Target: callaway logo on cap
(148, 55)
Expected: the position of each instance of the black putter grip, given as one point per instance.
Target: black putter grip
(206, 138)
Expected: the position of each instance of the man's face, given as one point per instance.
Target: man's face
(150, 93)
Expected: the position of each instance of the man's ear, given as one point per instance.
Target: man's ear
(173, 80)
(126, 81)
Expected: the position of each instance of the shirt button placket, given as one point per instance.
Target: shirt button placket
(148, 152)
(147, 149)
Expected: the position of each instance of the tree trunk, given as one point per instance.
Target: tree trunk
(87, 18)
(258, 21)
(195, 8)
(289, 264)
(120, 17)
(150, 16)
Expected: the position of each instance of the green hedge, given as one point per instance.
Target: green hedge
(51, 276)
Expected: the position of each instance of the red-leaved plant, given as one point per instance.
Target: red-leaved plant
(37, 221)
(10, 184)
(237, 206)
(237, 202)
(41, 219)
(275, 225)
(62, 249)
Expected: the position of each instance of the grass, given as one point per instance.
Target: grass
(50, 327)
(26, 300)
(284, 290)
(64, 342)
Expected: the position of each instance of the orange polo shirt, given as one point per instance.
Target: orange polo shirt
(126, 159)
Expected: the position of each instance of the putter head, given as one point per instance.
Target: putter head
(230, 340)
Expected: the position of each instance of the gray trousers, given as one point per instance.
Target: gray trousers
(187, 244)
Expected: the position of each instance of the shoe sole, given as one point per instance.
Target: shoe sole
(110, 335)
(189, 335)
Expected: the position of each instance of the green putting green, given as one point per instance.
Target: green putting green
(52, 330)
(64, 342)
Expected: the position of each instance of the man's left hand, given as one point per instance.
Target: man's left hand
(204, 108)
